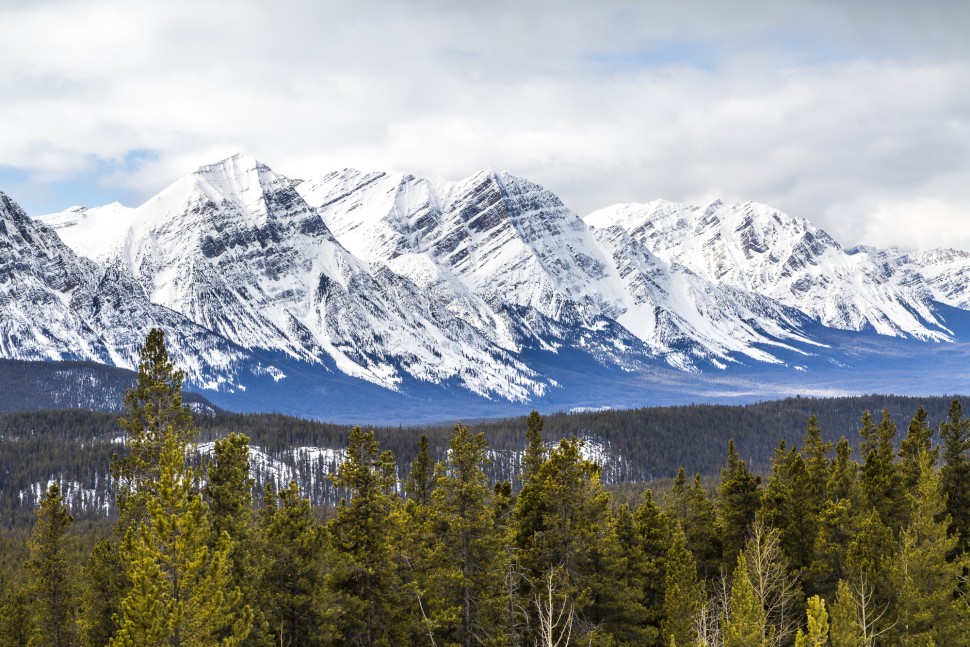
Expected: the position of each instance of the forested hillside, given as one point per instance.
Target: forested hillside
(74, 447)
(832, 545)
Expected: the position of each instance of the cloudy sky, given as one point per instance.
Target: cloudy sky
(855, 115)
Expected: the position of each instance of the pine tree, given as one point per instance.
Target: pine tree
(846, 630)
(880, 478)
(867, 563)
(817, 625)
(362, 585)
(844, 481)
(818, 466)
(291, 585)
(229, 493)
(955, 473)
(786, 505)
(153, 408)
(558, 514)
(683, 593)
(180, 593)
(624, 576)
(653, 539)
(467, 594)
(50, 581)
(924, 581)
(420, 481)
(414, 542)
(745, 624)
(700, 528)
(738, 501)
(535, 450)
(105, 585)
(917, 441)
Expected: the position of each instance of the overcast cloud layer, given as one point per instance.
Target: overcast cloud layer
(857, 118)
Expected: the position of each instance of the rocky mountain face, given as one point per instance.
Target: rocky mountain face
(57, 305)
(481, 287)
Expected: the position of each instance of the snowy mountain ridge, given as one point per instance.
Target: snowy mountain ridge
(482, 286)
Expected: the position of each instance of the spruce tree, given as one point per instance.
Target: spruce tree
(683, 593)
(181, 593)
(105, 585)
(535, 450)
(290, 592)
(50, 580)
(745, 624)
(420, 482)
(817, 634)
(701, 530)
(466, 592)
(955, 473)
(880, 479)
(738, 502)
(918, 439)
(624, 575)
(818, 466)
(925, 583)
(557, 520)
(153, 408)
(229, 493)
(363, 586)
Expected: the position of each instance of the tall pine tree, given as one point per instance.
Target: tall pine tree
(50, 580)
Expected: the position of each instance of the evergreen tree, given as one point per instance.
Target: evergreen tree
(738, 501)
(229, 493)
(291, 584)
(16, 618)
(701, 530)
(867, 563)
(362, 585)
(880, 478)
(925, 583)
(558, 515)
(817, 634)
(683, 593)
(180, 593)
(105, 586)
(844, 482)
(467, 594)
(653, 539)
(623, 572)
(675, 502)
(955, 473)
(745, 624)
(535, 450)
(918, 440)
(153, 408)
(420, 481)
(846, 630)
(414, 543)
(50, 581)
(786, 506)
(818, 466)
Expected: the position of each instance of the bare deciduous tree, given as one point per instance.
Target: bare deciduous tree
(555, 611)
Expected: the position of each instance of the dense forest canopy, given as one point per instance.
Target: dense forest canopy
(844, 528)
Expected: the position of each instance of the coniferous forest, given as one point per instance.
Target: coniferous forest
(851, 543)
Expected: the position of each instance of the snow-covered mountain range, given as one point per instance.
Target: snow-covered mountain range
(486, 290)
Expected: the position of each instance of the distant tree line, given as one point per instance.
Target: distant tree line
(834, 545)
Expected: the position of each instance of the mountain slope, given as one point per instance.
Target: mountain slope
(237, 250)
(59, 306)
(486, 295)
(756, 248)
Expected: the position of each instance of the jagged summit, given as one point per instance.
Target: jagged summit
(482, 284)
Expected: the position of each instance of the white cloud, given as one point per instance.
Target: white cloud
(853, 116)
